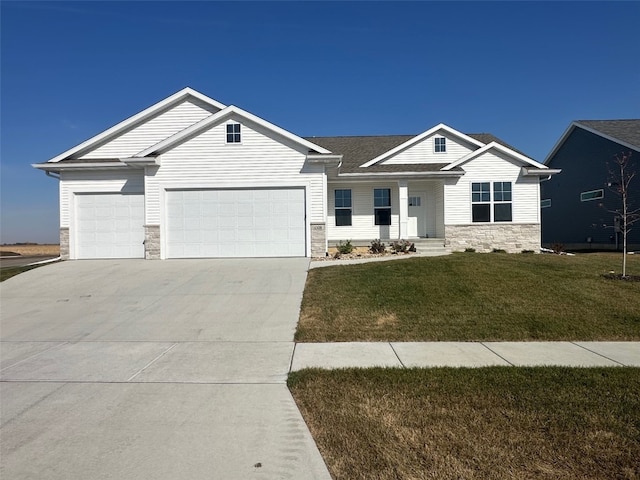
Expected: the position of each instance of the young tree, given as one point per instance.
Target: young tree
(621, 173)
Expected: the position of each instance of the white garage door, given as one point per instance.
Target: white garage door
(109, 225)
(236, 223)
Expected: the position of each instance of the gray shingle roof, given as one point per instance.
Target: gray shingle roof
(359, 150)
(627, 131)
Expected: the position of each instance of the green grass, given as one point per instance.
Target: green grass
(473, 297)
(489, 423)
(8, 272)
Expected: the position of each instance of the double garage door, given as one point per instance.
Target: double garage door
(235, 223)
(200, 224)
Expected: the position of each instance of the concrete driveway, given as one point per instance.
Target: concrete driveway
(153, 369)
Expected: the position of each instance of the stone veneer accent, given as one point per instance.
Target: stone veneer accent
(64, 243)
(318, 240)
(152, 242)
(484, 237)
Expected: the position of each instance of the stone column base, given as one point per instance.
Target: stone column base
(152, 242)
(318, 239)
(484, 237)
(64, 243)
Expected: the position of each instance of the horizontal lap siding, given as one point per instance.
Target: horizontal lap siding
(153, 131)
(491, 167)
(124, 181)
(206, 161)
(423, 152)
(362, 227)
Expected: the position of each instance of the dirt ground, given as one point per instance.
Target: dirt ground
(28, 250)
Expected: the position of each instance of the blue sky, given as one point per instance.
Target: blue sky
(522, 71)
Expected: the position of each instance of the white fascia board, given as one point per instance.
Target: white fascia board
(139, 117)
(137, 162)
(408, 174)
(56, 167)
(500, 148)
(559, 143)
(219, 117)
(325, 159)
(417, 138)
(526, 171)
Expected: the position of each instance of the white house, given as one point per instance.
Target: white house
(190, 177)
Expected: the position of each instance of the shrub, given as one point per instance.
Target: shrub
(402, 246)
(499, 250)
(377, 246)
(344, 248)
(470, 250)
(557, 248)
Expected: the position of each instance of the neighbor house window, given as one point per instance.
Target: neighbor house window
(382, 206)
(440, 144)
(592, 195)
(233, 133)
(481, 202)
(343, 208)
(501, 201)
(415, 201)
(545, 203)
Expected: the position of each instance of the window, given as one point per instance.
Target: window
(501, 201)
(546, 203)
(415, 201)
(480, 202)
(440, 144)
(483, 209)
(592, 195)
(233, 133)
(343, 208)
(382, 206)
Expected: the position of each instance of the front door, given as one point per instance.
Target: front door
(417, 226)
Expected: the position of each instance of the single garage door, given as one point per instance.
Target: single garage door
(236, 223)
(109, 225)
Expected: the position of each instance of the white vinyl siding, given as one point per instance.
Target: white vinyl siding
(206, 161)
(153, 131)
(492, 167)
(424, 152)
(121, 181)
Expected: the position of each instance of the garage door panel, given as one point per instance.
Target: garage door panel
(236, 223)
(109, 225)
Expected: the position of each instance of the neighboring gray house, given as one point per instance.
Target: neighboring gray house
(574, 204)
(190, 177)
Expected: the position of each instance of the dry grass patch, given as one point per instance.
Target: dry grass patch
(29, 250)
(472, 297)
(490, 423)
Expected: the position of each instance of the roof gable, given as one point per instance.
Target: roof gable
(500, 148)
(440, 128)
(623, 132)
(138, 119)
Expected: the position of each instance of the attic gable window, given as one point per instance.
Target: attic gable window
(440, 144)
(233, 133)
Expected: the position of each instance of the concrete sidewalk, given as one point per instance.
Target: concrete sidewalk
(464, 354)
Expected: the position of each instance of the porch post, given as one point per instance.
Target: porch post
(403, 208)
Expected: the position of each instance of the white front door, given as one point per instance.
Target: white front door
(417, 215)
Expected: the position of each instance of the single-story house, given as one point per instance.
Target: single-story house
(576, 206)
(190, 177)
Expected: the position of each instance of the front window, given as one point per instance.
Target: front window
(501, 201)
(343, 208)
(483, 209)
(233, 133)
(440, 144)
(480, 202)
(382, 206)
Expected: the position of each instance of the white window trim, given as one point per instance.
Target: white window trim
(335, 207)
(435, 145)
(600, 197)
(492, 202)
(545, 203)
(373, 196)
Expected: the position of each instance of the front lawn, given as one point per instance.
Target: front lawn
(489, 423)
(469, 297)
